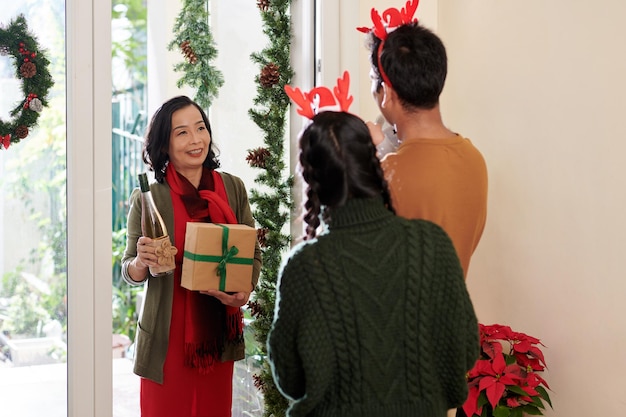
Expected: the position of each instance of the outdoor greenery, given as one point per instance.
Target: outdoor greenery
(129, 48)
(129, 27)
(34, 182)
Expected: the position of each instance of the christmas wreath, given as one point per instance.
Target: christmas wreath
(31, 67)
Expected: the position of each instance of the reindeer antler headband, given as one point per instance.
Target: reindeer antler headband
(391, 19)
(322, 98)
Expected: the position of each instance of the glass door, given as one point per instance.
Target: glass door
(33, 211)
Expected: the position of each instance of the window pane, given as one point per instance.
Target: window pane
(33, 224)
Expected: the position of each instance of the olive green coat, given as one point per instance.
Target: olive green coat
(153, 327)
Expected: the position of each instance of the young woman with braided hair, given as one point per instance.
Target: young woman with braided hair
(372, 313)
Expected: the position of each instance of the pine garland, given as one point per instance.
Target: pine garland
(192, 35)
(272, 205)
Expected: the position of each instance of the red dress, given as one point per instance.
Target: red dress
(185, 391)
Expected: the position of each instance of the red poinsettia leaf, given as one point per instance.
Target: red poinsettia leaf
(496, 331)
(509, 379)
(512, 402)
(531, 380)
(537, 353)
(516, 370)
(543, 382)
(531, 339)
(494, 393)
(486, 382)
(530, 391)
(528, 362)
(521, 346)
(484, 367)
(498, 364)
(470, 407)
(491, 348)
(534, 380)
(505, 332)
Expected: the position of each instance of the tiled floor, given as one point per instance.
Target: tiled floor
(35, 391)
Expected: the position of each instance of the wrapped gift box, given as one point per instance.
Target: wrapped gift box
(218, 257)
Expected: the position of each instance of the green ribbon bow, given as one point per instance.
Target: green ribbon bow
(228, 257)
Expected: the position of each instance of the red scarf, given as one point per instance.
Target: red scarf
(209, 324)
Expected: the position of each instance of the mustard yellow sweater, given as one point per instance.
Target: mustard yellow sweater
(444, 181)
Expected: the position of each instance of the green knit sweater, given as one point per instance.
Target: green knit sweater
(373, 318)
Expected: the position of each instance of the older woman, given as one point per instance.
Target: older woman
(186, 340)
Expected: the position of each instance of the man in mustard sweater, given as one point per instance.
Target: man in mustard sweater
(435, 174)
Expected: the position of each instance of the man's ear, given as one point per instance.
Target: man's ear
(388, 95)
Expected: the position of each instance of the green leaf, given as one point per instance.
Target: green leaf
(517, 390)
(510, 359)
(482, 399)
(544, 394)
(501, 411)
(537, 401)
(532, 410)
(517, 412)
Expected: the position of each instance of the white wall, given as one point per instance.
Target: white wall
(234, 131)
(539, 87)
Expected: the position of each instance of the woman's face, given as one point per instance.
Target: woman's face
(189, 140)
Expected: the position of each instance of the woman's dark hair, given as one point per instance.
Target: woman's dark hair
(414, 58)
(338, 162)
(157, 143)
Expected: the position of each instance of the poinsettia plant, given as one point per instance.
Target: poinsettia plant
(505, 381)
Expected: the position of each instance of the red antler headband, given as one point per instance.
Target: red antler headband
(391, 19)
(322, 98)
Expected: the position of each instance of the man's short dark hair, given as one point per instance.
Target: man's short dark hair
(415, 61)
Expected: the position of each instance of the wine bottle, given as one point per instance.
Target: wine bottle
(153, 226)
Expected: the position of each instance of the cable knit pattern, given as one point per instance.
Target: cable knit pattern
(373, 319)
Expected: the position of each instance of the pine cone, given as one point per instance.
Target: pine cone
(270, 75)
(258, 157)
(28, 70)
(21, 131)
(264, 5)
(258, 383)
(255, 308)
(190, 55)
(261, 235)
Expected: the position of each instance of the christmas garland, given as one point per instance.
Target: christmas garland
(192, 34)
(273, 205)
(31, 67)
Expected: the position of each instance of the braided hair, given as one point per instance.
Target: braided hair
(338, 162)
